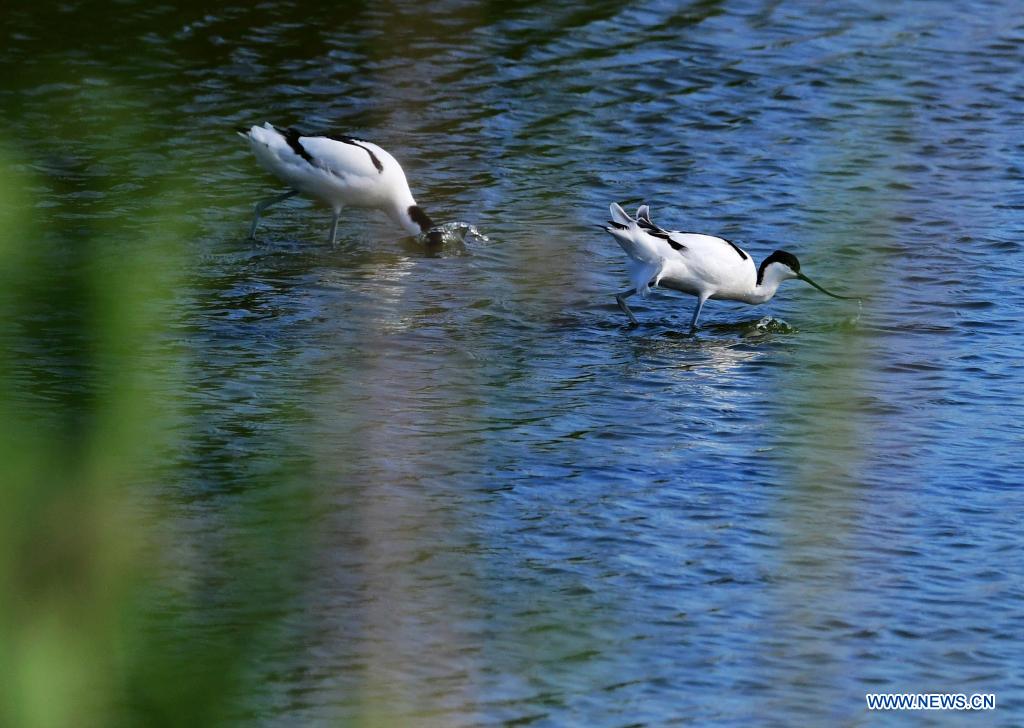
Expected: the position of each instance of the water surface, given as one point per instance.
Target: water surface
(513, 507)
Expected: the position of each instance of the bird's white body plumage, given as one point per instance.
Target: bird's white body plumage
(701, 265)
(342, 172)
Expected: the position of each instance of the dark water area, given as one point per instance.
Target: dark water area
(500, 504)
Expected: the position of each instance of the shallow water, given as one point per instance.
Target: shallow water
(515, 507)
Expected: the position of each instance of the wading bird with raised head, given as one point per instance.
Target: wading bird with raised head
(341, 171)
(700, 265)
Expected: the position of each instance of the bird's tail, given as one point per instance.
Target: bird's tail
(256, 133)
(645, 262)
(621, 226)
(642, 219)
(620, 218)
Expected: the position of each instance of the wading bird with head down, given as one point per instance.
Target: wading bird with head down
(341, 171)
(700, 265)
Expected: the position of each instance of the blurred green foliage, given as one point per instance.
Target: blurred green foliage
(99, 625)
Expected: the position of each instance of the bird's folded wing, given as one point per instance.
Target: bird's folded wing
(345, 158)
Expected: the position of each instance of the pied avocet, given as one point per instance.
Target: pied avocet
(700, 265)
(342, 171)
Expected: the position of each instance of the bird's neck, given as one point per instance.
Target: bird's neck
(412, 218)
(764, 290)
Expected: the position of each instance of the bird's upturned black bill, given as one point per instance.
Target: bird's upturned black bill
(802, 277)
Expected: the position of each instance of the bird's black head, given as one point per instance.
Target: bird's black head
(421, 218)
(782, 257)
(790, 269)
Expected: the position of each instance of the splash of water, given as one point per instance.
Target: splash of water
(456, 233)
(772, 325)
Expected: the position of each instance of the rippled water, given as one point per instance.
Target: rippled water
(518, 509)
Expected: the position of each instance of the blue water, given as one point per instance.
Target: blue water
(515, 508)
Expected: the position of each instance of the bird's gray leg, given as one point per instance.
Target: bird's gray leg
(696, 314)
(621, 298)
(334, 227)
(263, 205)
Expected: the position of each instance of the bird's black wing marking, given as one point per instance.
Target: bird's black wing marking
(292, 137)
(737, 248)
(652, 229)
(657, 232)
(355, 141)
(673, 243)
